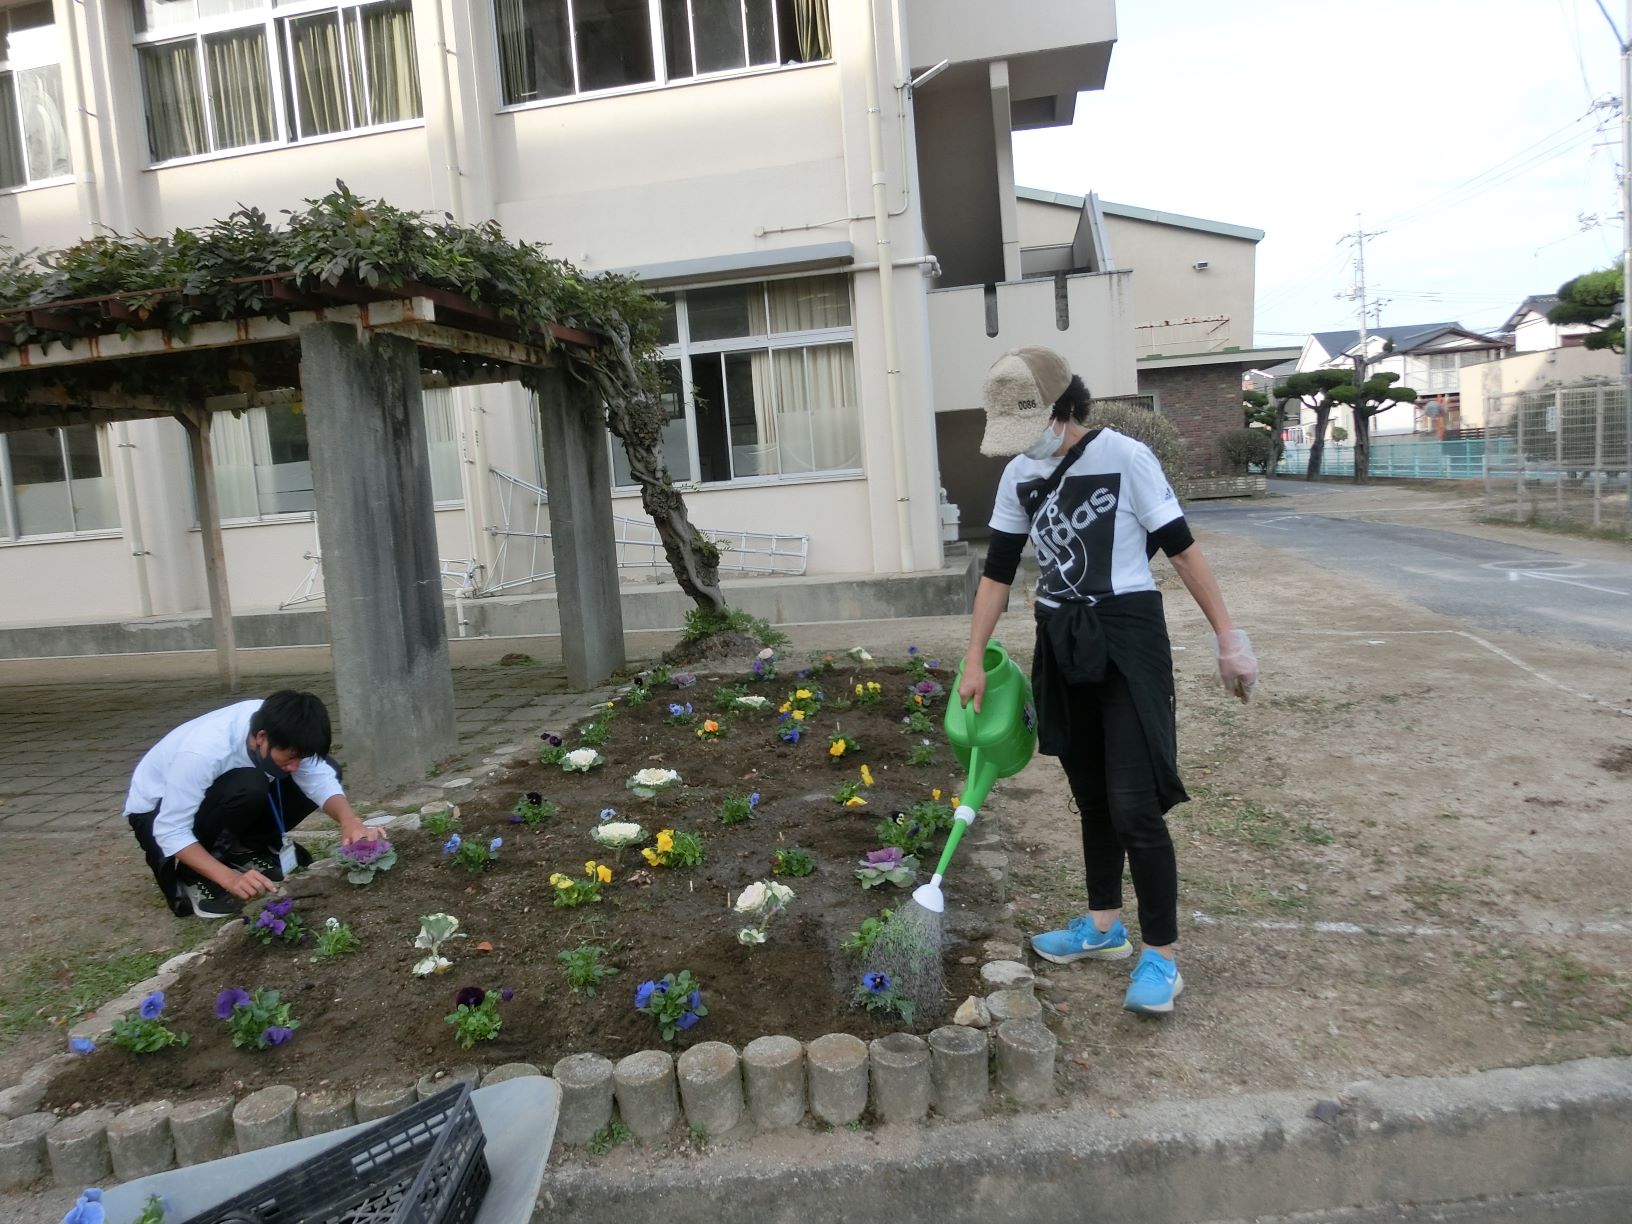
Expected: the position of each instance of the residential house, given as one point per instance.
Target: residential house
(1545, 355)
(751, 161)
(1428, 358)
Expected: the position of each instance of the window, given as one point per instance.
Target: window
(760, 381)
(52, 482)
(263, 467)
(557, 48)
(244, 73)
(33, 120)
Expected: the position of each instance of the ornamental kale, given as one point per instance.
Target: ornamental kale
(258, 1021)
(675, 1002)
(143, 1031)
(363, 859)
(888, 866)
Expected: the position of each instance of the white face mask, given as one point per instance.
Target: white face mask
(1048, 443)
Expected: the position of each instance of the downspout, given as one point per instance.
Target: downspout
(86, 173)
(886, 293)
(477, 510)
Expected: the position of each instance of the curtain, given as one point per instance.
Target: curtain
(767, 460)
(792, 411)
(234, 456)
(13, 171)
(810, 19)
(442, 441)
(320, 77)
(240, 88)
(818, 419)
(809, 304)
(175, 106)
(535, 49)
(392, 69)
(40, 482)
(45, 135)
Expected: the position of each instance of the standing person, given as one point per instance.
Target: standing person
(212, 803)
(1096, 506)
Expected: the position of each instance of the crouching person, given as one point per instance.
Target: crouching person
(212, 803)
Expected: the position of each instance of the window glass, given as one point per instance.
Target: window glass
(676, 452)
(383, 46)
(175, 105)
(40, 482)
(726, 312)
(668, 326)
(240, 88)
(818, 420)
(614, 43)
(753, 429)
(45, 132)
(30, 35)
(95, 508)
(677, 38)
(13, 169)
(809, 303)
(761, 32)
(535, 49)
(716, 27)
(284, 480)
(442, 440)
(318, 76)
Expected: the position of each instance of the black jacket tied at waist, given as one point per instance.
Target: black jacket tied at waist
(1075, 643)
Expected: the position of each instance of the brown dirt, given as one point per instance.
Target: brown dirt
(365, 1018)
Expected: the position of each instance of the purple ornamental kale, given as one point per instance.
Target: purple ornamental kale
(228, 999)
(888, 858)
(683, 679)
(365, 853)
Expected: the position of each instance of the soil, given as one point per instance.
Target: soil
(365, 1019)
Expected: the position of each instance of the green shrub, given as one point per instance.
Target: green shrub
(1245, 450)
(1145, 426)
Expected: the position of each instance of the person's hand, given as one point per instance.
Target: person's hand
(355, 830)
(1237, 665)
(246, 885)
(973, 685)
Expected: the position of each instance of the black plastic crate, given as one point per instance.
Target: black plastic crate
(425, 1165)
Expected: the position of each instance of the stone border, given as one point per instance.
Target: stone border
(995, 1044)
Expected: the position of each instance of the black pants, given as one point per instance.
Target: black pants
(234, 820)
(1111, 778)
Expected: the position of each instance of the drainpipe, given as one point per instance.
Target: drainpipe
(478, 511)
(886, 293)
(130, 512)
(85, 171)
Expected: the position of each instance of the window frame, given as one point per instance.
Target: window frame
(684, 349)
(269, 17)
(10, 518)
(10, 69)
(660, 69)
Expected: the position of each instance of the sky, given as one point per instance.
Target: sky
(1464, 131)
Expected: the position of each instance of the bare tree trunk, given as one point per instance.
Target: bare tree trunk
(1323, 413)
(635, 417)
(1362, 446)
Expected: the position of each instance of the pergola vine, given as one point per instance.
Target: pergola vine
(342, 248)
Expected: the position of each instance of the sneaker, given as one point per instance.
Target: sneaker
(1156, 983)
(257, 860)
(1081, 940)
(210, 902)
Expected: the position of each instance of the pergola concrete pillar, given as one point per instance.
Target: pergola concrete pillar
(578, 479)
(371, 474)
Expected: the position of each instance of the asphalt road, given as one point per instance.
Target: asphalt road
(1483, 584)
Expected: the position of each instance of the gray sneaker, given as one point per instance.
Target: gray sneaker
(210, 902)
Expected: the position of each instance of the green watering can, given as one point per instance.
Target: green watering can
(995, 743)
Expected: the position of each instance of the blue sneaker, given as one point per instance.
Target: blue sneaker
(1080, 940)
(1156, 983)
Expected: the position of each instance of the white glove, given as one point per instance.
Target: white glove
(1237, 665)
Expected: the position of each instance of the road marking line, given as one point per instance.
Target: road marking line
(1569, 582)
(1398, 929)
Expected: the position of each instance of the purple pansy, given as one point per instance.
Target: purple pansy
(608, 814)
(551, 738)
(276, 1035)
(228, 999)
(753, 800)
(515, 817)
(506, 995)
(152, 1006)
(534, 799)
(686, 1021)
(876, 983)
(695, 1000)
(469, 996)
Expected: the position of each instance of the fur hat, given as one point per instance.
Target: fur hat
(1021, 389)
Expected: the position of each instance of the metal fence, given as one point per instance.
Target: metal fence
(1406, 459)
(1563, 455)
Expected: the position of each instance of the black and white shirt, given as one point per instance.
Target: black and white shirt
(1090, 533)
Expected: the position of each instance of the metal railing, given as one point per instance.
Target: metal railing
(1427, 459)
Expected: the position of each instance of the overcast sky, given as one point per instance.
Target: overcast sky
(1460, 128)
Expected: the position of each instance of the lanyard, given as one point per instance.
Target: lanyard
(273, 797)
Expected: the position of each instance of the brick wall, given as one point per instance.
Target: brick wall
(1202, 402)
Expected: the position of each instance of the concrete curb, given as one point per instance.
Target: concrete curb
(1558, 1131)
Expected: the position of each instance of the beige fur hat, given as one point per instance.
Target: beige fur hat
(1019, 395)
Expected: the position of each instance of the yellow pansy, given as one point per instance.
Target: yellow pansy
(855, 801)
(802, 695)
(954, 801)
(917, 699)
(665, 841)
(560, 881)
(603, 874)
(935, 794)
(858, 690)
(589, 868)
(836, 750)
(798, 716)
(784, 707)
(866, 776)
(650, 856)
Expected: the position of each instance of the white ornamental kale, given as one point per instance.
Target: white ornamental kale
(580, 760)
(617, 834)
(752, 702)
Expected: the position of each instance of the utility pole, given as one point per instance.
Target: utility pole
(1626, 230)
(1362, 436)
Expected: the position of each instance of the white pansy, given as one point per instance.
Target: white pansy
(750, 935)
(617, 834)
(331, 924)
(581, 759)
(752, 898)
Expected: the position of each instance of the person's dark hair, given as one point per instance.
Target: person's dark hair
(1075, 402)
(296, 722)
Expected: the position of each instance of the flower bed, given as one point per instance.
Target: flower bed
(365, 1017)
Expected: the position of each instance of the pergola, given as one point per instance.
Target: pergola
(357, 358)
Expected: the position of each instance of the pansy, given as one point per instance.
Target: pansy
(608, 814)
(281, 908)
(228, 999)
(552, 739)
(798, 715)
(753, 800)
(469, 996)
(876, 983)
(451, 846)
(603, 873)
(644, 992)
(935, 794)
(506, 995)
(534, 798)
(276, 1035)
(665, 840)
(493, 846)
(87, 1209)
(801, 694)
(913, 651)
(686, 1021)
(866, 776)
(152, 1006)
(82, 1045)
(837, 748)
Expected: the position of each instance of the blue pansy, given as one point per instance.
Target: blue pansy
(876, 983)
(153, 1006)
(82, 1045)
(686, 1021)
(451, 845)
(643, 995)
(87, 1209)
(493, 846)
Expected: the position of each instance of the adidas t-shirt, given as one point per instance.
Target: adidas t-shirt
(1089, 535)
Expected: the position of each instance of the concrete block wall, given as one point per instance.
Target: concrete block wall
(1202, 402)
